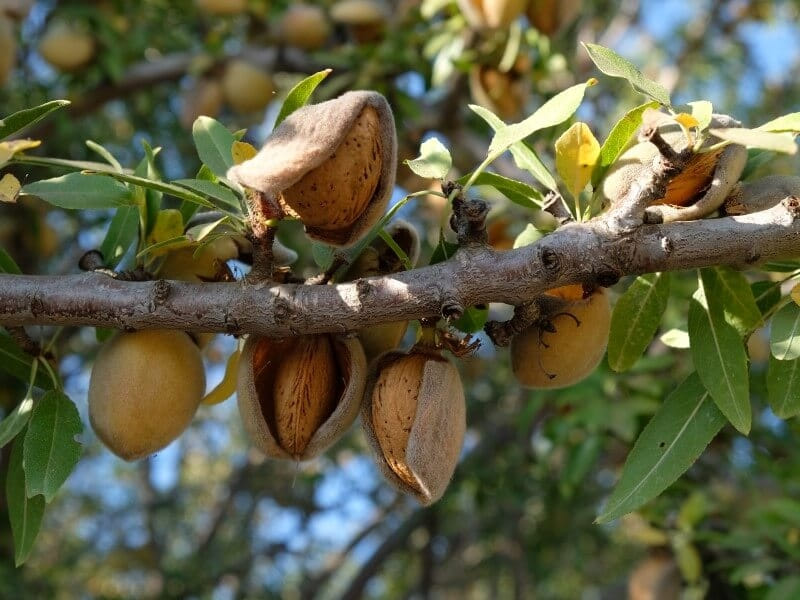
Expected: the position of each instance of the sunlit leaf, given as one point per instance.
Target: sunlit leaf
(790, 122)
(635, 320)
(434, 160)
(676, 338)
(242, 151)
(528, 236)
(79, 191)
(51, 451)
(686, 120)
(702, 111)
(619, 138)
(19, 120)
(225, 388)
(298, 96)
(613, 65)
(719, 357)
(9, 188)
(577, 151)
(733, 292)
(518, 192)
(755, 138)
(214, 143)
(122, 232)
(10, 148)
(669, 444)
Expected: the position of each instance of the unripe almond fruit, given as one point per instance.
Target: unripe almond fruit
(144, 390)
(305, 26)
(204, 98)
(330, 164)
(414, 417)
(491, 13)
(8, 49)
(297, 396)
(365, 19)
(66, 47)
(551, 16)
(246, 87)
(222, 7)
(502, 93)
(556, 359)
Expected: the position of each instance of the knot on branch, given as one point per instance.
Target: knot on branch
(792, 204)
(550, 259)
(469, 216)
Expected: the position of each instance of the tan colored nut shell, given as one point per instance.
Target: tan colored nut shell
(144, 390)
(551, 16)
(298, 396)
(8, 48)
(307, 139)
(334, 195)
(497, 91)
(305, 26)
(66, 47)
(414, 417)
(541, 359)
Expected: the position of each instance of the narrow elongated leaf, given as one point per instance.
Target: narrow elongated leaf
(225, 198)
(51, 451)
(754, 138)
(720, 359)
(18, 364)
(577, 151)
(790, 122)
(613, 65)
(227, 387)
(732, 290)
(160, 186)
(616, 142)
(25, 514)
(787, 588)
(19, 120)
(524, 156)
(636, 318)
(767, 295)
(79, 191)
(669, 444)
(518, 192)
(105, 154)
(14, 422)
(473, 319)
(214, 143)
(785, 332)
(7, 264)
(434, 160)
(783, 387)
(122, 232)
(298, 96)
(556, 110)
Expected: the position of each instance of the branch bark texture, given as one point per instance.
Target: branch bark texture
(589, 252)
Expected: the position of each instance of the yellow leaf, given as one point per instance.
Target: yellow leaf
(9, 188)
(687, 120)
(10, 148)
(242, 151)
(168, 225)
(795, 293)
(227, 386)
(577, 151)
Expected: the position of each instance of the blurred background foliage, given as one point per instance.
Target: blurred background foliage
(210, 518)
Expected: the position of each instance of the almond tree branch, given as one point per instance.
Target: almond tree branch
(591, 252)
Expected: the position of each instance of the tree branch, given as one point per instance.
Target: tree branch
(592, 252)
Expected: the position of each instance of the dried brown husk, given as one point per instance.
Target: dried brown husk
(261, 361)
(307, 139)
(416, 454)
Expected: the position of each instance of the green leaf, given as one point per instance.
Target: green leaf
(152, 197)
(790, 122)
(787, 588)
(160, 186)
(636, 318)
(79, 191)
(785, 332)
(783, 387)
(18, 364)
(322, 254)
(19, 417)
(25, 514)
(702, 111)
(754, 138)
(434, 160)
(7, 264)
(519, 193)
(528, 236)
(556, 110)
(19, 120)
(767, 295)
(106, 154)
(395, 247)
(473, 319)
(298, 96)
(443, 250)
(618, 139)
(122, 232)
(524, 156)
(613, 65)
(719, 357)
(669, 444)
(51, 451)
(733, 291)
(213, 190)
(214, 143)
